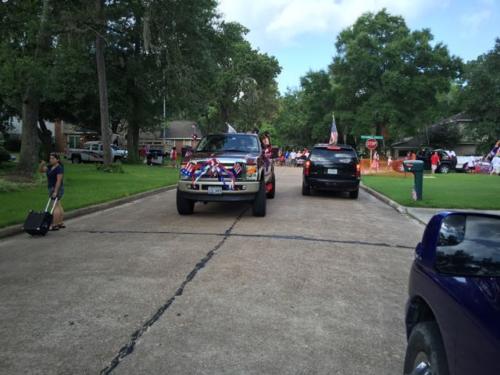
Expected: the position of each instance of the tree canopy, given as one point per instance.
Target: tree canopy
(481, 96)
(159, 54)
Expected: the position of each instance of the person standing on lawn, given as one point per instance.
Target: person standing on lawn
(173, 157)
(376, 161)
(55, 184)
(434, 162)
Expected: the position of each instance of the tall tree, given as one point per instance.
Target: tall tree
(481, 96)
(387, 76)
(25, 43)
(103, 85)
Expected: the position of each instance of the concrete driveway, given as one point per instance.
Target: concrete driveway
(318, 286)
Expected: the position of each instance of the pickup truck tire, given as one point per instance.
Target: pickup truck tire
(272, 193)
(444, 169)
(425, 350)
(184, 206)
(76, 159)
(117, 159)
(259, 204)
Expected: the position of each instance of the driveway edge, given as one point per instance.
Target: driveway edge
(381, 197)
(17, 228)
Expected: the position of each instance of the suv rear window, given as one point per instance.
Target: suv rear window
(336, 156)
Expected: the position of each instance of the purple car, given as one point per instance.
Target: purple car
(453, 311)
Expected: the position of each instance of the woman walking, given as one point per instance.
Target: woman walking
(55, 185)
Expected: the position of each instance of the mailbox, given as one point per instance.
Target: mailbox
(417, 168)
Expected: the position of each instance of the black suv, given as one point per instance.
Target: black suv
(332, 167)
(447, 163)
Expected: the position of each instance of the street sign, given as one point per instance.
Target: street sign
(372, 137)
(371, 144)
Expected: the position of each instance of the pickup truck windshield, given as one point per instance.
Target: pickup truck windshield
(229, 143)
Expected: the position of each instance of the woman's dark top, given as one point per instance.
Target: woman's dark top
(52, 175)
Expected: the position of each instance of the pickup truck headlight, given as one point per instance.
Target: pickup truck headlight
(251, 172)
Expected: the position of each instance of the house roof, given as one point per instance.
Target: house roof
(181, 129)
(419, 140)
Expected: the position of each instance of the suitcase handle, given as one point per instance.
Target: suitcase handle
(53, 206)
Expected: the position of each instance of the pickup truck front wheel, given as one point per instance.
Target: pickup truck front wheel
(259, 204)
(271, 193)
(75, 159)
(184, 206)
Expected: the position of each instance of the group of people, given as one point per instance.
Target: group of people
(291, 157)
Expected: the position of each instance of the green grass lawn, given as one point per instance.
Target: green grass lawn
(84, 186)
(454, 190)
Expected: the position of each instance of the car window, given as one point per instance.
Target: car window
(229, 142)
(336, 156)
(469, 246)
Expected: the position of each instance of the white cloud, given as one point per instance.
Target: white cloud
(284, 20)
(473, 21)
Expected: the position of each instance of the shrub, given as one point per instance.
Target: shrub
(12, 144)
(113, 168)
(4, 155)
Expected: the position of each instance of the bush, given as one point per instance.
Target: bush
(4, 155)
(113, 168)
(12, 144)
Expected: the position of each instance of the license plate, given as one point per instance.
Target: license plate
(331, 171)
(215, 190)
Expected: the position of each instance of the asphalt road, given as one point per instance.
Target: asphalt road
(318, 286)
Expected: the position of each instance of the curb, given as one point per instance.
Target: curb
(17, 228)
(401, 209)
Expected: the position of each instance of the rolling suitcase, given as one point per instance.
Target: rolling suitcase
(38, 223)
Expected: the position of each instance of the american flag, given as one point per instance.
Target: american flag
(237, 168)
(188, 170)
(334, 134)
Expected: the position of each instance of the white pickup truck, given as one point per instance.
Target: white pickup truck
(93, 152)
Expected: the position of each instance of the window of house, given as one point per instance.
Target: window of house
(74, 141)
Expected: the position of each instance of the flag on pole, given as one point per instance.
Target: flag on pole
(230, 129)
(493, 151)
(334, 134)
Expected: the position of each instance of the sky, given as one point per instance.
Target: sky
(301, 34)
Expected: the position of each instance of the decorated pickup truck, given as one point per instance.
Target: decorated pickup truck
(227, 168)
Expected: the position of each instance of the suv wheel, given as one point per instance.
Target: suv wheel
(444, 169)
(306, 188)
(259, 204)
(184, 206)
(354, 194)
(272, 193)
(425, 351)
(76, 159)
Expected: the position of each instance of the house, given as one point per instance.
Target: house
(457, 123)
(65, 135)
(178, 133)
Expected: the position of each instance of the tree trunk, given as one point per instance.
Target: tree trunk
(103, 88)
(45, 136)
(28, 157)
(133, 142)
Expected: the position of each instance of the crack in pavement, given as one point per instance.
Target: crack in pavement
(269, 236)
(128, 348)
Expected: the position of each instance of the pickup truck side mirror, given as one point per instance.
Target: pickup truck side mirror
(461, 243)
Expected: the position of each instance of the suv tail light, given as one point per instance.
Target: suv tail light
(307, 168)
(358, 170)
